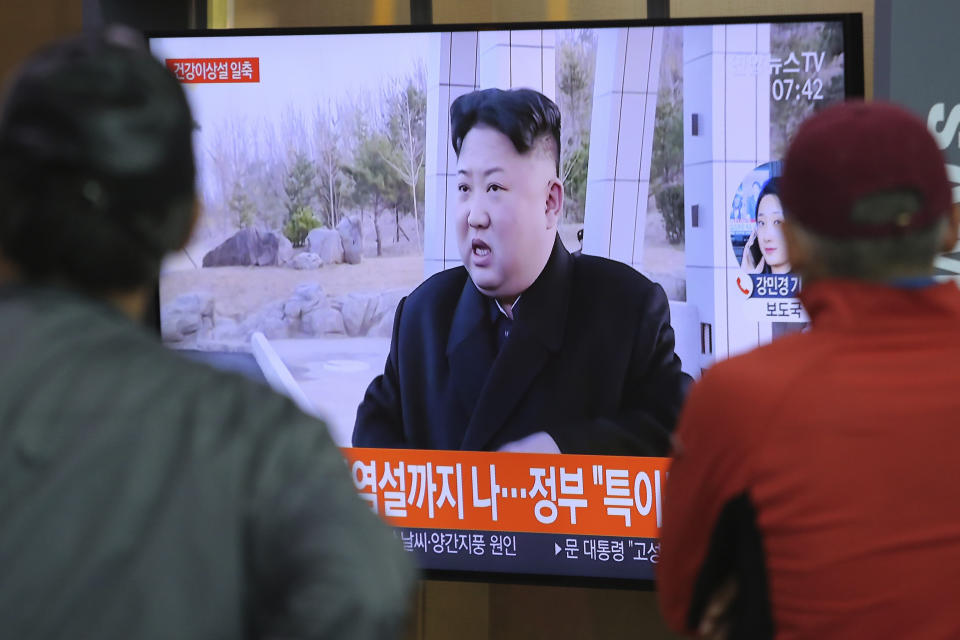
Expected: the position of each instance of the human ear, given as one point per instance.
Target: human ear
(952, 232)
(554, 203)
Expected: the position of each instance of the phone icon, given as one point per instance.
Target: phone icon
(745, 291)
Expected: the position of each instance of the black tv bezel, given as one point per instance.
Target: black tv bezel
(853, 72)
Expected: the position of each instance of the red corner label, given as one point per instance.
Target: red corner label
(208, 70)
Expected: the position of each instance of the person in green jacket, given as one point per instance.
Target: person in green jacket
(143, 495)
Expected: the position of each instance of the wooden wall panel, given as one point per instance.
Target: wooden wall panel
(296, 13)
(477, 611)
(318, 13)
(519, 612)
(26, 25)
(453, 11)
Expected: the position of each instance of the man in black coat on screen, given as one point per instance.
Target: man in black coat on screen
(525, 347)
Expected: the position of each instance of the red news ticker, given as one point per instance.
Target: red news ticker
(517, 492)
(214, 70)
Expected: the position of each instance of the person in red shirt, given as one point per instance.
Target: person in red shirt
(811, 493)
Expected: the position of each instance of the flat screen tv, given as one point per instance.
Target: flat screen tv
(330, 193)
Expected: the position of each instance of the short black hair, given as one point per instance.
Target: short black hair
(770, 188)
(96, 164)
(523, 115)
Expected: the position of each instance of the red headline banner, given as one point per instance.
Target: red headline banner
(521, 492)
(207, 70)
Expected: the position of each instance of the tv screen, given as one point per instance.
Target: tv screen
(337, 213)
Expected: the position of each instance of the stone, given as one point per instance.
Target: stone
(360, 312)
(327, 244)
(293, 308)
(307, 260)
(323, 321)
(186, 315)
(306, 297)
(388, 301)
(383, 328)
(352, 237)
(284, 250)
(310, 292)
(247, 247)
(227, 330)
(274, 328)
(271, 320)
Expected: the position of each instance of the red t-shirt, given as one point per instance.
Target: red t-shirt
(843, 442)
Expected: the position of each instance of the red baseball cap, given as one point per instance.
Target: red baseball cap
(856, 149)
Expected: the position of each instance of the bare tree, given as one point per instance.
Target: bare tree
(228, 204)
(406, 112)
(329, 156)
(576, 63)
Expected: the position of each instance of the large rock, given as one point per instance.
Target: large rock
(359, 312)
(301, 309)
(307, 260)
(248, 247)
(270, 320)
(388, 301)
(352, 238)
(273, 328)
(226, 330)
(327, 244)
(383, 328)
(284, 249)
(186, 316)
(323, 321)
(306, 297)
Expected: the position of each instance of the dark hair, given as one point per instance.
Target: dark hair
(96, 164)
(523, 115)
(771, 188)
